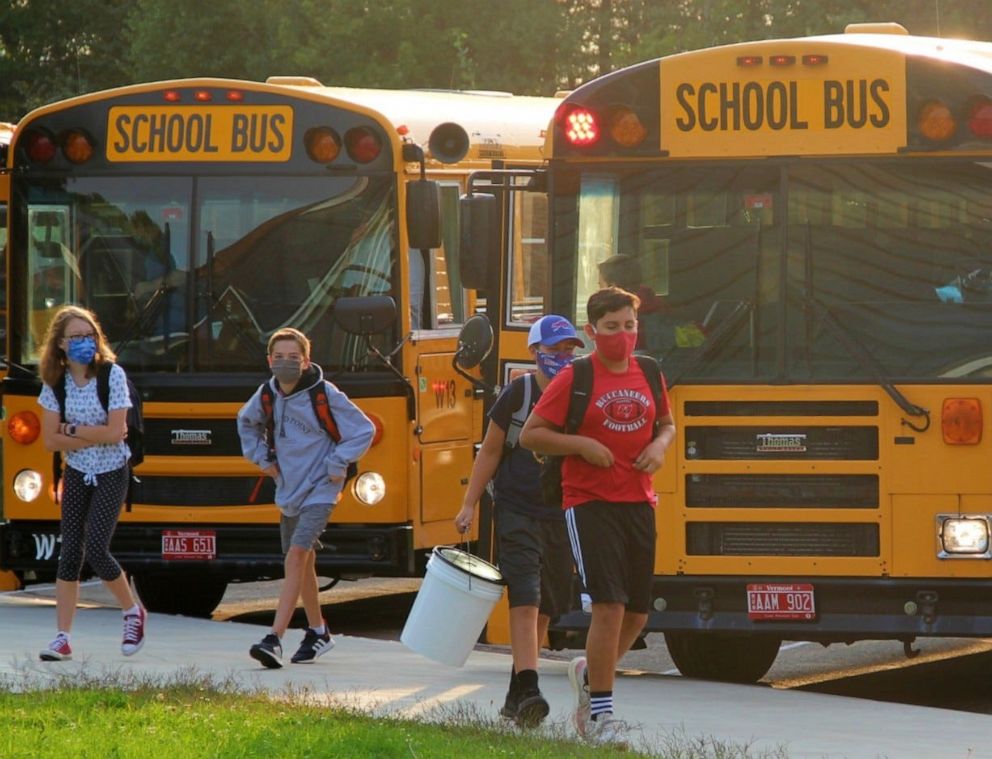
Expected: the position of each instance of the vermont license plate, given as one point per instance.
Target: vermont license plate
(189, 544)
(780, 601)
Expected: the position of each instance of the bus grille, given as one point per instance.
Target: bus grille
(771, 443)
(203, 491)
(827, 491)
(776, 539)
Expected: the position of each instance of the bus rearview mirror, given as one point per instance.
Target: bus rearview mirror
(423, 214)
(479, 219)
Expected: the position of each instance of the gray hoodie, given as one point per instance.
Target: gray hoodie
(306, 454)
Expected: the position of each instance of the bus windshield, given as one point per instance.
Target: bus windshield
(831, 271)
(195, 273)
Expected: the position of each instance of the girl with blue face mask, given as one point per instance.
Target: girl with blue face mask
(94, 482)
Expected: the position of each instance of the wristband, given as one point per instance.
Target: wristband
(72, 430)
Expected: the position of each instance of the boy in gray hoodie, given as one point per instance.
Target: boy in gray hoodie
(309, 468)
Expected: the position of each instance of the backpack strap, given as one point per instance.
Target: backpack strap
(267, 399)
(522, 392)
(578, 402)
(103, 384)
(652, 373)
(322, 408)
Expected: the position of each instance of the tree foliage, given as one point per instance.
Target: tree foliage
(50, 50)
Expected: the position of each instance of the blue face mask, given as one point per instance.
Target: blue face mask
(552, 363)
(81, 351)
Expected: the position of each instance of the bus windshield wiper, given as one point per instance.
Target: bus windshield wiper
(155, 301)
(854, 347)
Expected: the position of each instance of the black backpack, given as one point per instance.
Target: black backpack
(577, 405)
(135, 425)
(321, 408)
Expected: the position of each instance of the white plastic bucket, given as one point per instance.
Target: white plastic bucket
(455, 599)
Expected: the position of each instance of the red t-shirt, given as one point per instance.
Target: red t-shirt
(620, 415)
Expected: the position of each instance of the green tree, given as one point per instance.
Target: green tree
(52, 50)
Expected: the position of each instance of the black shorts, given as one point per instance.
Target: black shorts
(614, 545)
(535, 560)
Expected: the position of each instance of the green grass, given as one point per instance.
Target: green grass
(191, 716)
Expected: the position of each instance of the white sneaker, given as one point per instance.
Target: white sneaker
(608, 731)
(580, 686)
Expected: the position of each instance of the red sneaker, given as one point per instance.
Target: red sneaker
(58, 650)
(134, 632)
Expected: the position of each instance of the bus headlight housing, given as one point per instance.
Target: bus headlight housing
(369, 488)
(964, 536)
(27, 485)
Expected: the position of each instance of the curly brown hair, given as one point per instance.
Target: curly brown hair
(609, 299)
(53, 357)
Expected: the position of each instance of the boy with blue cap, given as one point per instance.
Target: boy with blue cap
(534, 553)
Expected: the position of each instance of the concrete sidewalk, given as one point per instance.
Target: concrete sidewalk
(386, 678)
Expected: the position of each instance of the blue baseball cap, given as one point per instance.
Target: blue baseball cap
(552, 330)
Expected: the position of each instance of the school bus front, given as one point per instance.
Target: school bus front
(808, 221)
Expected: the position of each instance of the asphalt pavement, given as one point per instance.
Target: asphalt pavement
(385, 678)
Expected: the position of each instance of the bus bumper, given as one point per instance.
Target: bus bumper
(846, 609)
(242, 552)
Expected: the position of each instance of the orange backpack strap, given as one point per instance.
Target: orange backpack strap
(322, 408)
(268, 400)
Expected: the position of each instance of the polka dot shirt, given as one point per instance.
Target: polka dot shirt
(82, 407)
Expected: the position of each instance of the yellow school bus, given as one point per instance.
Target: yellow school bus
(809, 226)
(198, 216)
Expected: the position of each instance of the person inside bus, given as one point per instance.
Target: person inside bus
(534, 553)
(660, 330)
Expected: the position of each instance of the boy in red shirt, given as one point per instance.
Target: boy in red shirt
(609, 497)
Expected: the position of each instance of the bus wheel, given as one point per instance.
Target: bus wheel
(728, 658)
(175, 594)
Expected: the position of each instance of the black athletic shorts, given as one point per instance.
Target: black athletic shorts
(613, 545)
(535, 560)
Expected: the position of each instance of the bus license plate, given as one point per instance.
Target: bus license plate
(774, 601)
(189, 544)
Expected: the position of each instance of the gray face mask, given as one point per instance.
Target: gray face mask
(287, 372)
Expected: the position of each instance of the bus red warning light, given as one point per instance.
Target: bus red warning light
(980, 118)
(363, 144)
(40, 147)
(581, 127)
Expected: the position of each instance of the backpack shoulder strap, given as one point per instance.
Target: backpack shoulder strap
(268, 400)
(522, 394)
(59, 389)
(322, 408)
(652, 373)
(578, 402)
(103, 384)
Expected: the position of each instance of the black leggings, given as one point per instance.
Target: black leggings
(89, 514)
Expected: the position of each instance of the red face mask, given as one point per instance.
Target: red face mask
(617, 346)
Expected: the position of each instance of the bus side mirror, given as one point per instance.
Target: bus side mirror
(479, 217)
(474, 342)
(370, 315)
(423, 213)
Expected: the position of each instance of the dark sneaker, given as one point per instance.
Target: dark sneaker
(134, 632)
(58, 650)
(510, 705)
(269, 651)
(313, 646)
(532, 708)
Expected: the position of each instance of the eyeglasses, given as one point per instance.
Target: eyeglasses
(80, 338)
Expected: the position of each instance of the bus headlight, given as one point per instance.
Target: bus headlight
(27, 485)
(369, 488)
(964, 536)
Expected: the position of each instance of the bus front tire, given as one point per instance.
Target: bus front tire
(175, 594)
(727, 658)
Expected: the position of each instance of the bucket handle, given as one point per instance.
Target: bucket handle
(465, 545)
